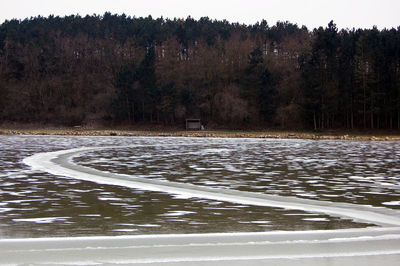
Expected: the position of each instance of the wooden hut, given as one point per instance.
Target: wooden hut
(193, 124)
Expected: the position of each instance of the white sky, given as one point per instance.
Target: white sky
(311, 13)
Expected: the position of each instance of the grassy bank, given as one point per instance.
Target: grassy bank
(206, 133)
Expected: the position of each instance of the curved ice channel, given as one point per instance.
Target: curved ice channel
(60, 163)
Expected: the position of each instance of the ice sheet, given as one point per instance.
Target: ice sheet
(60, 163)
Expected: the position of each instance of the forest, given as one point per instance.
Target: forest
(114, 70)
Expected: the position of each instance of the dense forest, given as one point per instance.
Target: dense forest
(117, 70)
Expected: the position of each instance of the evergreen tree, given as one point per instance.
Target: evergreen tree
(126, 94)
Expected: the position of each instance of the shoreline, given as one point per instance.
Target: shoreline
(324, 135)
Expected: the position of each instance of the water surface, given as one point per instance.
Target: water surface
(38, 204)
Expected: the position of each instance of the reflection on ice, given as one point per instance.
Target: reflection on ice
(316, 219)
(392, 203)
(42, 220)
(176, 213)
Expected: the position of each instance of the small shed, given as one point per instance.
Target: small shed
(193, 124)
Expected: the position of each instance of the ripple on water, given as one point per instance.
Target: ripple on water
(39, 204)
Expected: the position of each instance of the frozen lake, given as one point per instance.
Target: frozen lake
(184, 201)
(36, 203)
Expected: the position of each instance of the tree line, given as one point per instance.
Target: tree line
(120, 70)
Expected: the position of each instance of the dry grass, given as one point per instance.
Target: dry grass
(207, 133)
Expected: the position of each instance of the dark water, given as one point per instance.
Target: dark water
(38, 204)
(354, 172)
